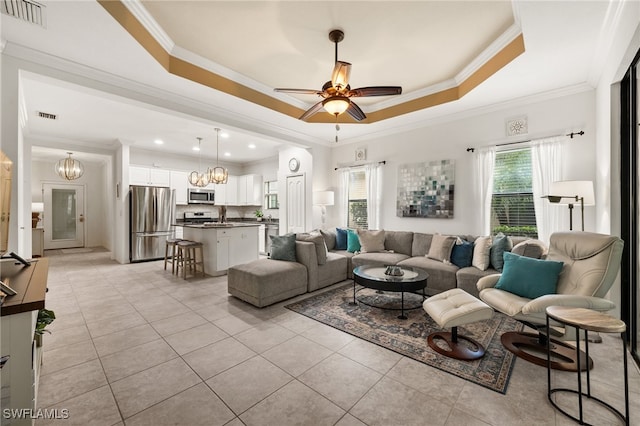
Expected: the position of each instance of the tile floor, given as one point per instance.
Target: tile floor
(134, 345)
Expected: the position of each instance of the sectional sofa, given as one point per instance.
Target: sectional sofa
(320, 264)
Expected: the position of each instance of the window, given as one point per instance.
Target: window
(357, 195)
(512, 211)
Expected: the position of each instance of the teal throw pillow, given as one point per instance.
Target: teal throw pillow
(529, 277)
(283, 247)
(462, 253)
(341, 239)
(353, 241)
(501, 243)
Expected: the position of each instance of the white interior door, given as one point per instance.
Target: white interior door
(63, 216)
(295, 204)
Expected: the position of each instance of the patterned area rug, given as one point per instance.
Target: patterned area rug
(409, 337)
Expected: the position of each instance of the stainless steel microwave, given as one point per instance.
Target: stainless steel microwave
(200, 196)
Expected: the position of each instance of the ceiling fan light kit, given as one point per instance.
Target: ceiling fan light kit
(337, 92)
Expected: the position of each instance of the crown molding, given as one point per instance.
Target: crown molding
(114, 85)
(422, 123)
(138, 10)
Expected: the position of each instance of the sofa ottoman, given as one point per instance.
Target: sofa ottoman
(264, 282)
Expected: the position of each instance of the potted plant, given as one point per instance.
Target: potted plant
(258, 214)
(45, 317)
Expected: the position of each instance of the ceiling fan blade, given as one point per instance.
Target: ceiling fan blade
(375, 91)
(299, 91)
(355, 112)
(311, 111)
(340, 75)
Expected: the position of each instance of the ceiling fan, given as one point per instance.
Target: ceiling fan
(337, 93)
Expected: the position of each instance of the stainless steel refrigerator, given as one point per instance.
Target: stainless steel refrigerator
(151, 213)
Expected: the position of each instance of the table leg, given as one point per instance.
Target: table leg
(402, 315)
(579, 374)
(354, 294)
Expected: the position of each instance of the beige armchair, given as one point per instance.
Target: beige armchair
(591, 264)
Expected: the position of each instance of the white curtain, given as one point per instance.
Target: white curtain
(343, 200)
(484, 165)
(373, 178)
(546, 167)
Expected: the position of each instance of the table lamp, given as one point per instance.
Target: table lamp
(323, 199)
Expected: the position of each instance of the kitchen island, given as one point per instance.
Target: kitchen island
(224, 244)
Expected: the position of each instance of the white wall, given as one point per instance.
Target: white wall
(98, 225)
(449, 140)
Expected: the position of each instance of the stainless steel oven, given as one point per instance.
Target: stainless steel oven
(201, 196)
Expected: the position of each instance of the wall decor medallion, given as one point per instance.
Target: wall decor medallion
(517, 126)
(426, 189)
(361, 154)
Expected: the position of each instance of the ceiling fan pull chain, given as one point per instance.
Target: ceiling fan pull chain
(337, 128)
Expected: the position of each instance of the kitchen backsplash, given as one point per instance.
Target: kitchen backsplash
(232, 212)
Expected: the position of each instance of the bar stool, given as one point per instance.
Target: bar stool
(171, 257)
(187, 258)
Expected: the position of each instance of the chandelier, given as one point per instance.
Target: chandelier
(68, 168)
(218, 174)
(195, 177)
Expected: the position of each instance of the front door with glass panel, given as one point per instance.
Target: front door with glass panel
(63, 216)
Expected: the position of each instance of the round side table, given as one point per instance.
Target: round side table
(587, 320)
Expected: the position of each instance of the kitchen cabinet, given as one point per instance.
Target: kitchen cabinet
(179, 182)
(250, 190)
(224, 247)
(37, 242)
(149, 176)
(262, 239)
(231, 191)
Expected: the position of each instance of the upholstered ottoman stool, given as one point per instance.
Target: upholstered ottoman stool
(264, 282)
(450, 309)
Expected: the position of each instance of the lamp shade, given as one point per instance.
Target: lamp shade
(37, 207)
(572, 188)
(336, 105)
(323, 198)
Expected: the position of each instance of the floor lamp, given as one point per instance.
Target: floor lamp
(323, 199)
(570, 192)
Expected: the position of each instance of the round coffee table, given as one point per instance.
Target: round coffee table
(373, 277)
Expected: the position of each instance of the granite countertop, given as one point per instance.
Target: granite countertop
(216, 225)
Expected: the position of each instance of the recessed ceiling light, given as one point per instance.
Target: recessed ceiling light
(227, 154)
(158, 141)
(224, 135)
(196, 148)
(252, 146)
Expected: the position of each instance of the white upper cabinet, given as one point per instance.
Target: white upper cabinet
(179, 183)
(231, 191)
(149, 176)
(250, 190)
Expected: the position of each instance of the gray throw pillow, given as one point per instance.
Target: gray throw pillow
(501, 243)
(441, 246)
(283, 247)
(318, 241)
(329, 239)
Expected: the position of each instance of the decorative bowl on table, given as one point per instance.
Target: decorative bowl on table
(394, 271)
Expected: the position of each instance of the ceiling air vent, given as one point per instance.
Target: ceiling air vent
(47, 115)
(27, 10)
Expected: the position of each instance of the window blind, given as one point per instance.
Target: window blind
(512, 210)
(357, 210)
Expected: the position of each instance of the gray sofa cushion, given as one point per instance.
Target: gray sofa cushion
(263, 282)
(379, 259)
(467, 278)
(349, 256)
(441, 246)
(421, 244)
(334, 271)
(318, 240)
(441, 276)
(329, 238)
(398, 241)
